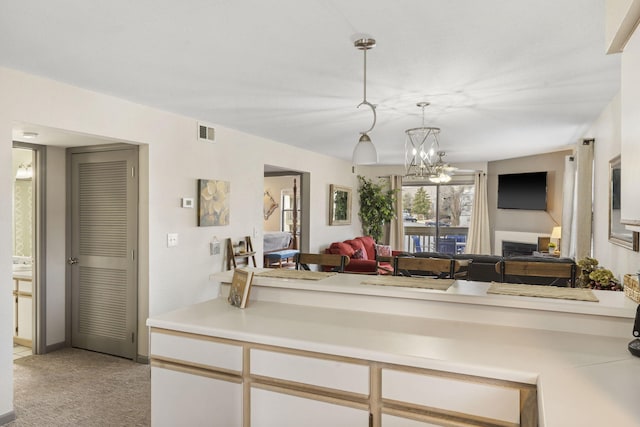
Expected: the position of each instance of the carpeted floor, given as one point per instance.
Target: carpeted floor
(73, 387)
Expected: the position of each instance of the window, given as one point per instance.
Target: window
(287, 212)
(437, 216)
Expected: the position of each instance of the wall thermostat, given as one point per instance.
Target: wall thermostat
(187, 202)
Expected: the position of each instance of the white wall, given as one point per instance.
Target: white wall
(6, 252)
(171, 161)
(540, 222)
(606, 131)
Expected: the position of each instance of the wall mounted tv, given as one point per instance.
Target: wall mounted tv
(523, 191)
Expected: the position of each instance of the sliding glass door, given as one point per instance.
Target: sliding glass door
(437, 216)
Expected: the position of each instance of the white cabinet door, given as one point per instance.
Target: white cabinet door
(269, 408)
(25, 314)
(182, 399)
(15, 313)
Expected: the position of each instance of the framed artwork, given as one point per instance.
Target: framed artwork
(213, 202)
(339, 205)
(270, 205)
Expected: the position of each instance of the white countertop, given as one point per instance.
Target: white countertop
(612, 304)
(583, 380)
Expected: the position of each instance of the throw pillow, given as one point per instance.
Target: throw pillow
(358, 254)
(341, 249)
(357, 244)
(383, 250)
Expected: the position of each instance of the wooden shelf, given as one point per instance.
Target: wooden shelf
(234, 258)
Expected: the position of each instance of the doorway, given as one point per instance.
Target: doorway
(103, 252)
(281, 188)
(28, 278)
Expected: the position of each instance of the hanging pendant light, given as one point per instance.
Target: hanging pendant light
(365, 152)
(420, 148)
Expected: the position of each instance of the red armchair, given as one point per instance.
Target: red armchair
(362, 256)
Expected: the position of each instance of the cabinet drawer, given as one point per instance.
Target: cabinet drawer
(468, 397)
(394, 421)
(198, 351)
(311, 370)
(269, 408)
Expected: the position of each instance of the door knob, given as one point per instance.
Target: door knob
(71, 260)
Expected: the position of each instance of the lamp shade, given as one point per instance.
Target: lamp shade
(365, 152)
(556, 233)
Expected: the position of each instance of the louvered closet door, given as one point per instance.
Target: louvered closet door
(103, 259)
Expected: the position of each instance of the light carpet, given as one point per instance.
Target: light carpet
(72, 387)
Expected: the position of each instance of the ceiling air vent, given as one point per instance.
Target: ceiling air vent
(206, 133)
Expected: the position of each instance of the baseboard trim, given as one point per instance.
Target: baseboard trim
(7, 418)
(57, 346)
(142, 359)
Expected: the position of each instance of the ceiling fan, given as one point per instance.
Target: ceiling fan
(440, 171)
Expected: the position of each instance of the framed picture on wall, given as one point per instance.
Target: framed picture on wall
(339, 205)
(213, 202)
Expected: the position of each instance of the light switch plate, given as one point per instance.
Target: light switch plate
(172, 240)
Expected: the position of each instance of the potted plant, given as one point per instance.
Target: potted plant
(552, 247)
(376, 207)
(593, 276)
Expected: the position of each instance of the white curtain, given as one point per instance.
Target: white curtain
(479, 239)
(396, 232)
(569, 202)
(580, 239)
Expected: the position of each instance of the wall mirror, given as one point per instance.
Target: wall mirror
(339, 205)
(618, 234)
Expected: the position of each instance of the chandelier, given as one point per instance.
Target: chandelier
(422, 155)
(420, 148)
(365, 152)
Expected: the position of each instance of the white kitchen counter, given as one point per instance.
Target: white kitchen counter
(583, 380)
(468, 301)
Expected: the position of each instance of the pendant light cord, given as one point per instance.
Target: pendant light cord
(364, 101)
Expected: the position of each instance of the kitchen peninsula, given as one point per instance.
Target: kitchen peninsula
(339, 352)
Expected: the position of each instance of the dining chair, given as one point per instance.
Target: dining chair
(325, 262)
(556, 272)
(409, 266)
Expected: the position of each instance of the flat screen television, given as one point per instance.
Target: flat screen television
(523, 191)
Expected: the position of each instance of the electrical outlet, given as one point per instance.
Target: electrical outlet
(172, 240)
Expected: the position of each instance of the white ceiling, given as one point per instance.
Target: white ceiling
(505, 78)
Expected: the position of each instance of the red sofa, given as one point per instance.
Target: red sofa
(362, 256)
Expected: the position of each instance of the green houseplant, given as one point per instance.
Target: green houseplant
(376, 207)
(594, 276)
